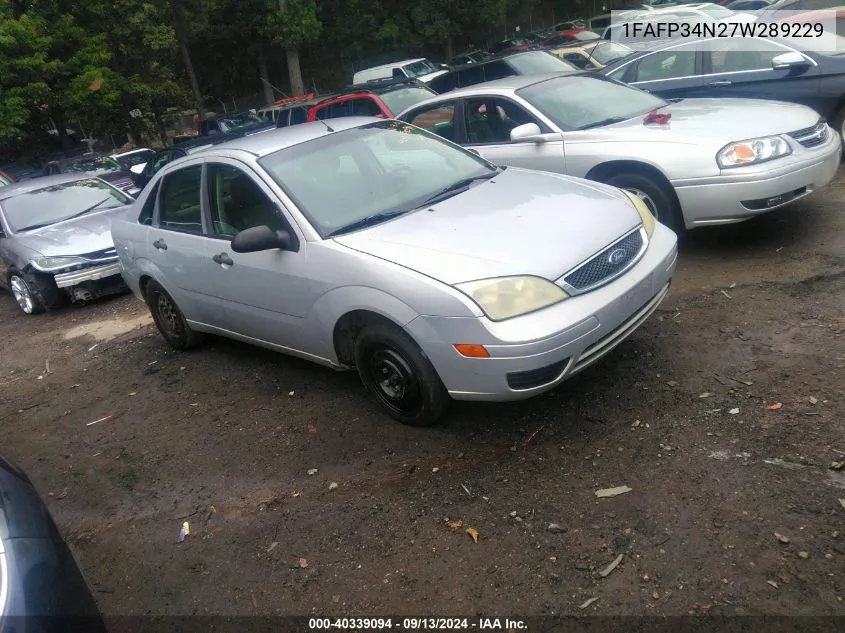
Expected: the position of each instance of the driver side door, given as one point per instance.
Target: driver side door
(487, 124)
(266, 295)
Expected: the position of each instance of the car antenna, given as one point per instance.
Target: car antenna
(328, 127)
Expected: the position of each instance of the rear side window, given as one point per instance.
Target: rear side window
(443, 83)
(497, 70)
(298, 115)
(471, 76)
(179, 207)
(146, 217)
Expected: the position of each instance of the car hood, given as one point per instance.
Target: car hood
(718, 120)
(86, 234)
(519, 223)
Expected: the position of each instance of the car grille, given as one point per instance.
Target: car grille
(608, 264)
(105, 254)
(811, 136)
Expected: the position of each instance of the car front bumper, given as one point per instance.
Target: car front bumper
(94, 273)
(741, 193)
(538, 351)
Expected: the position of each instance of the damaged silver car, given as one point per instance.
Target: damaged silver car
(55, 241)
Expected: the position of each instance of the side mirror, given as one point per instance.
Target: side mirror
(789, 60)
(260, 238)
(528, 132)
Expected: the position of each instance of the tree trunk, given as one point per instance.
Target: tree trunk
(160, 127)
(189, 68)
(61, 130)
(269, 98)
(297, 88)
(449, 49)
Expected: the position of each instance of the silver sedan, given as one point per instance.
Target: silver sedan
(55, 243)
(694, 162)
(371, 244)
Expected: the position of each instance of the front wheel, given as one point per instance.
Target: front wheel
(655, 196)
(399, 376)
(169, 319)
(26, 298)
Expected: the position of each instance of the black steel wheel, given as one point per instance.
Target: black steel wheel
(399, 375)
(169, 319)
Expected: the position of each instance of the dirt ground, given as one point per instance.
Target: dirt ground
(679, 413)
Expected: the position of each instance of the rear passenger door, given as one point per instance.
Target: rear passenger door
(177, 246)
(487, 123)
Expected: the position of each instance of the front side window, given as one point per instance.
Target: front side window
(179, 205)
(238, 202)
(671, 64)
(584, 101)
(538, 63)
(490, 120)
(382, 169)
(741, 54)
(43, 207)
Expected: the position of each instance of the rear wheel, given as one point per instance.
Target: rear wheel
(169, 319)
(399, 376)
(838, 124)
(654, 195)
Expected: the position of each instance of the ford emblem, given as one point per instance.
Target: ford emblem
(617, 256)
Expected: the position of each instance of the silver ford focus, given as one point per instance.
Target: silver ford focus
(372, 244)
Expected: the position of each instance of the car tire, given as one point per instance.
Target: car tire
(24, 294)
(399, 376)
(169, 319)
(657, 198)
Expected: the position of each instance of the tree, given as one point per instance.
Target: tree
(291, 24)
(442, 20)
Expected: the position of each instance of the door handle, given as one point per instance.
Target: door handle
(223, 259)
(160, 245)
(724, 82)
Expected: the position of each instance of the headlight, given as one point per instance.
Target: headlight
(507, 297)
(645, 213)
(49, 264)
(756, 150)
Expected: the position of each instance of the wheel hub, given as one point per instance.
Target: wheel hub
(394, 380)
(22, 294)
(168, 315)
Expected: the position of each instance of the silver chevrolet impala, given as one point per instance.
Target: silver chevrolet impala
(694, 162)
(55, 243)
(371, 244)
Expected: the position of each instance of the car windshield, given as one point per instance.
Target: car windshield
(136, 158)
(585, 101)
(228, 123)
(97, 163)
(379, 169)
(538, 63)
(399, 100)
(420, 68)
(49, 205)
(606, 52)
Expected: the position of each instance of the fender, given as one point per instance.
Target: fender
(330, 307)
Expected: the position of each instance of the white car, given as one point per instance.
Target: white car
(422, 69)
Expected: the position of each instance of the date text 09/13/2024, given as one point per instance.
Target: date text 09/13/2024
(417, 624)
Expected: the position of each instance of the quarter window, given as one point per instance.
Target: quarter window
(146, 216)
(179, 207)
(238, 202)
(741, 54)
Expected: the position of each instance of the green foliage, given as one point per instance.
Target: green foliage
(292, 23)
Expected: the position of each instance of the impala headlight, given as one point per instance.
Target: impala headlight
(645, 213)
(50, 264)
(506, 297)
(756, 150)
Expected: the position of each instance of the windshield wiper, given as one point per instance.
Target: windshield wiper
(457, 187)
(370, 220)
(603, 122)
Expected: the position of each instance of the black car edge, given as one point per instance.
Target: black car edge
(42, 589)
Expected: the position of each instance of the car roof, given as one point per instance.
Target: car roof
(33, 184)
(392, 64)
(510, 84)
(260, 145)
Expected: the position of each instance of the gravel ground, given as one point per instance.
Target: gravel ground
(248, 445)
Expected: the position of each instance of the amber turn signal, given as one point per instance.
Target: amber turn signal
(471, 351)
